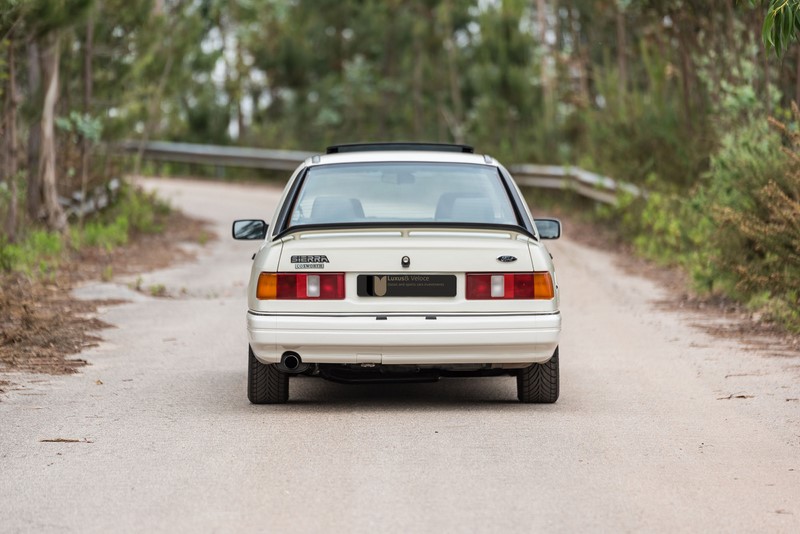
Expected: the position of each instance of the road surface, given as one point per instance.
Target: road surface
(659, 427)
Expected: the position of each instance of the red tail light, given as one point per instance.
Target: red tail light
(486, 286)
(285, 286)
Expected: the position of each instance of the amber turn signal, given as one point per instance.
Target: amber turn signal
(543, 286)
(267, 286)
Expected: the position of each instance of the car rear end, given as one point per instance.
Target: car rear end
(402, 265)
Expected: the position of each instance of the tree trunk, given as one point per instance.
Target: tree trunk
(685, 69)
(581, 56)
(548, 92)
(416, 87)
(34, 194)
(87, 102)
(155, 101)
(765, 63)
(241, 69)
(797, 79)
(49, 60)
(454, 80)
(11, 140)
(622, 59)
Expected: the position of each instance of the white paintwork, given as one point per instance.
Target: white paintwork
(465, 331)
(404, 339)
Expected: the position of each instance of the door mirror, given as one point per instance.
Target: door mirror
(250, 229)
(548, 228)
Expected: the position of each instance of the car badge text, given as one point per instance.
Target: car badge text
(310, 261)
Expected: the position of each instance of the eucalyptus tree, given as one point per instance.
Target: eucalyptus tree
(10, 22)
(45, 22)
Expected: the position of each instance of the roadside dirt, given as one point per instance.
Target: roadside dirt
(42, 325)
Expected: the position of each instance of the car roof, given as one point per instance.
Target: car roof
(424, 156)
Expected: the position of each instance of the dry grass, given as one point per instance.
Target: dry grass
(42, 326)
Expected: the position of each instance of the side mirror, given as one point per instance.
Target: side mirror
(250, 229)
(548, 228)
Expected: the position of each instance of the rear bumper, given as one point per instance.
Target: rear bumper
(405, 339)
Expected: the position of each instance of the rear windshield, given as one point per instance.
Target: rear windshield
(402, 192)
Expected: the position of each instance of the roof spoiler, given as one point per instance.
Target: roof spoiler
(374, 147)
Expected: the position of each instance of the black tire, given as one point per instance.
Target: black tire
(538, 383)
(265, 383)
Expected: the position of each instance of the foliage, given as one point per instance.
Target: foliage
(82, 125)
(748, 159)
(757, 210)
(781, 24)
(40, 251)
(142, 210)
(738, 231)
(99, 234)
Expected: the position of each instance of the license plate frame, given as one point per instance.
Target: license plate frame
(407, 285)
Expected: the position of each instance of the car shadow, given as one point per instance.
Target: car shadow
(307, 394)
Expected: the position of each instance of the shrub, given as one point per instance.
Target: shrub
(142, 210)
(756, 192)
(107, 236)
(747, 176)
(39, 250)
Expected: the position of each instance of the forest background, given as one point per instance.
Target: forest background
(689, 99)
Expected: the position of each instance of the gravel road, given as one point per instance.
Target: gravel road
(659, 427)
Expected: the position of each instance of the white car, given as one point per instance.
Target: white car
(402, 262)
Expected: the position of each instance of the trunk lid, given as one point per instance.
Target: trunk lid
(440, 256)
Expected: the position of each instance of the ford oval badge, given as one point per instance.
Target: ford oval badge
(506, 259)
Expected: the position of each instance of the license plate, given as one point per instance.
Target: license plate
(406, 285)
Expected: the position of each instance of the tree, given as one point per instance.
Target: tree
(10, 131)
(9, 24)
(46, 21)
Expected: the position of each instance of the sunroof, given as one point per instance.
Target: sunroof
(375, 147)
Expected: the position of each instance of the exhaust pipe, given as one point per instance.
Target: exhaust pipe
(292, 364)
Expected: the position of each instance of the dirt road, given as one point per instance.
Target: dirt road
(659, 427)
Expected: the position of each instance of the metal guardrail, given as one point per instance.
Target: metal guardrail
(96, 199)
(232, 156)
(585, 183)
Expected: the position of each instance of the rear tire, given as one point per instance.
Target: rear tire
(265, 383)
(538, 383)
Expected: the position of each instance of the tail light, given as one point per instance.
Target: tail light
(485, 286)
(283, 286)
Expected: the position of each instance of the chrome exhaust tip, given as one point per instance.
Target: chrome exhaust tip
(292, 363)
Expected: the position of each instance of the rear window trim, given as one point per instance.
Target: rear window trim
(394, 225)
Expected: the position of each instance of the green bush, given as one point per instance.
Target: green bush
(737, 232)
(743, 246)
(755, 189)
(7, 255)
(142, 210)
(40, 250)
(98, 234)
